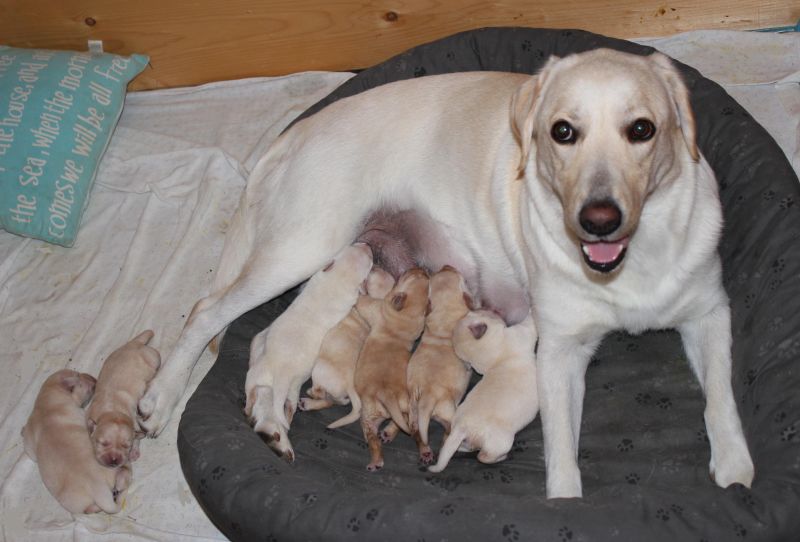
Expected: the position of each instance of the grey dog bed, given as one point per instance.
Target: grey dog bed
(644, 452)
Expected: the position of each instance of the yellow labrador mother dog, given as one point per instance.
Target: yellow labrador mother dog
(579, 191)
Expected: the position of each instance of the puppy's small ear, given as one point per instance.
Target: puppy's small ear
(469, 302)
(91, 425)
(328, 267)
(399, 301)
(478, 330)
(680, 101)
(523, 105)
(70, 380)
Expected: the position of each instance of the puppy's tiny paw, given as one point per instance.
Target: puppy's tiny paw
(302, 404)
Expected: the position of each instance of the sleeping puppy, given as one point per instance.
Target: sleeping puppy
(334, 369)
(380, 379)
(120, 384)
(436, 378)
(56, 438)
(282, 356)
(505, 399)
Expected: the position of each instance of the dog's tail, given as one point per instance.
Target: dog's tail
(355, 413)
(424, 412)
(235, 253)
(449, 448)
(392, 404)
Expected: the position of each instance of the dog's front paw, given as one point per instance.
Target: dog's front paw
(156, 406)
(565, 484)
(732, 468)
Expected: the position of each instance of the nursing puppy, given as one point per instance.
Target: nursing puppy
(505, 399)
(332, 379)
(56, 438)
(436, 378)
(120, 384)
(580, 192)
(282, 356)
(380, 379)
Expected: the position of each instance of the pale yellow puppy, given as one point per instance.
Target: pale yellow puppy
(56, 438)
(505, 399)
(332, 379)
(112, 413)
(437, 378)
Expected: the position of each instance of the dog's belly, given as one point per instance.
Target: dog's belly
(404, 239)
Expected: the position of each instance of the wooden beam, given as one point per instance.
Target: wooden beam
(196, 41)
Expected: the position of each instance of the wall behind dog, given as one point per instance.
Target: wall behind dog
(197, 41)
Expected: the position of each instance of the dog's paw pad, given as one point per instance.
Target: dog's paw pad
(361, 444)
(506, 477)
(354, 525)
(426, 458)
(739, 529)
(203, 487)
(625, 445)
(510, 532)
(632, 347)
(786, 202)
(447, 510)
(702, 436)
(643, 398)
(565, 534)
(308, 498)
(662, 514)
(727, 111)
(779, 417)
(676, 509)
(788, 433)
(632, 478)
(520, 446)
(372, 515)
(526, 45)
(419, 71)
(609, 386)
(488, 475)
(218, 472)
(321, 443)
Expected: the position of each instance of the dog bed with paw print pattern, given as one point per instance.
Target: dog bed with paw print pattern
(644, 452)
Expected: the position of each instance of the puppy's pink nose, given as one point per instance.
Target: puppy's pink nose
(600, 217)
(112, 460)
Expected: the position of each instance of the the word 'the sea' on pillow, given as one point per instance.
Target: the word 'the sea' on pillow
(58, 110)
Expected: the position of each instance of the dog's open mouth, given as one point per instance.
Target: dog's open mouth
(604, 256)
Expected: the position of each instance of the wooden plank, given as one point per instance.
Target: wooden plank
(196, 41)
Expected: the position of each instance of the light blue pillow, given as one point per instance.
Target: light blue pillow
(58, 110)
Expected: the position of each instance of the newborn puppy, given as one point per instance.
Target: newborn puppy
(437, 379)
(121, 383)
(505, 400)
(333, 375)
(282, 356)
(380, 378)
(56, 438)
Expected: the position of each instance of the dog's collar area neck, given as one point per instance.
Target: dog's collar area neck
(604, 256)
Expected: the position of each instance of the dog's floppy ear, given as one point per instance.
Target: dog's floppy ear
(399, 301)
(680, 99)
(478, 330)
(523, 104)
(91, 425)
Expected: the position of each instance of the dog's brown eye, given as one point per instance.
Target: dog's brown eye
(641, 130)
(563, 133)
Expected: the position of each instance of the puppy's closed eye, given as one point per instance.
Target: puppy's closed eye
(478, 330)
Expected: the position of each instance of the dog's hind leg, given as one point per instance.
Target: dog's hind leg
(449, 448)
(268, 274)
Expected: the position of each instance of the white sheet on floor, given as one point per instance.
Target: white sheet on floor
(152, 235)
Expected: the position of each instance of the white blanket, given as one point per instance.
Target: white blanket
(150, 241)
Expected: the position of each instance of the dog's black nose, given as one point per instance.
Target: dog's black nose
(600, 217)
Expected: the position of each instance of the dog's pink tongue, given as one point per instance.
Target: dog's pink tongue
(602, 252)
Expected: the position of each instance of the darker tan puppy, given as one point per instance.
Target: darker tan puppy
(437, 378)
(56, 438)
(121, 383)
(380, 378)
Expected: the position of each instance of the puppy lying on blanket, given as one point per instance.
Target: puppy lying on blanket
(505, 399)
(380, 379)
(332, 379)
(580, 192)
(56, 438)
(436, 378)
(120, 385)
(282, 356)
